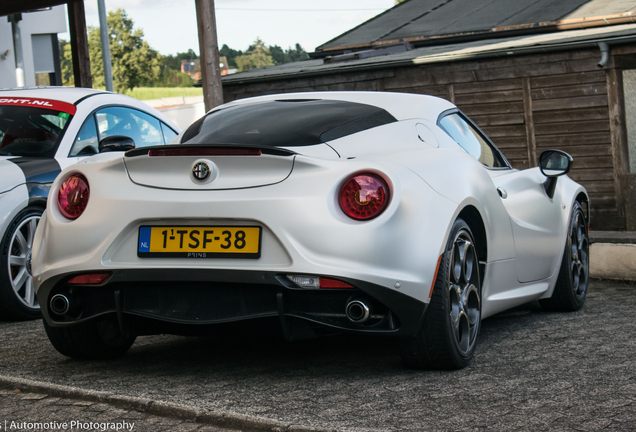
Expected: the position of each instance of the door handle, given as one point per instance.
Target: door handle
(502, 193)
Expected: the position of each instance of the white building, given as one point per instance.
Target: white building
(40, 54)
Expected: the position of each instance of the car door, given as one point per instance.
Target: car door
(533, 215)
(535, 220)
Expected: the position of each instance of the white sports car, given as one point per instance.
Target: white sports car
(42, 131)
(363, 212)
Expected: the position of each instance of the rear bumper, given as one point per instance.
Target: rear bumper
(181, 300)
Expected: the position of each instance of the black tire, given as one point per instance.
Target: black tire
(95, 340)
(17, 296)
(571, 286)
(448, 337)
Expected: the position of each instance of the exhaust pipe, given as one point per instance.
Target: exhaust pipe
(59, 304)
(357, 311)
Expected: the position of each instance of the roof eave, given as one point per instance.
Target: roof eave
(231, 80)
(495, 32)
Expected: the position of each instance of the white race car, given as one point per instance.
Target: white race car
(42, 131)
(363, 212)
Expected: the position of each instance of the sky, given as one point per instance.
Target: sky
(170, 26)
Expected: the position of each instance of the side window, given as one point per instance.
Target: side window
(150, 129)
(470, 140)
(144, 129)
(168, 134)
(86, 141)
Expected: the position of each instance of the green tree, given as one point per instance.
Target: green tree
(256, 56)
(289, 55)
(66, 63)
(278, 55)
(134, 63)
(230, 54)
(171, 75)
(297, 54)
(174, 61)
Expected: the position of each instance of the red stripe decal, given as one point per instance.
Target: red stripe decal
(40, 103)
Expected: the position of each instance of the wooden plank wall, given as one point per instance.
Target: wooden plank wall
(526, 104)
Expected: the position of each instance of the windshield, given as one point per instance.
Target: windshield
(31, 131)
(295, 122)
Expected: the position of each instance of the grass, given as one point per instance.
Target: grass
(145, 93)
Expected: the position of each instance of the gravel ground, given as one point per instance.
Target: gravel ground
(23, 411)
(533, 371)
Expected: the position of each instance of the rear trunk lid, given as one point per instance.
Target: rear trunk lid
(200, 167)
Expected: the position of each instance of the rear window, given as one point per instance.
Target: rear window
(31, 131)
(285, 123)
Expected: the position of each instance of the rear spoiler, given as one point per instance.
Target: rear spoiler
(208, 150)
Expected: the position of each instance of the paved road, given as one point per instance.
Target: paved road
(533, 371)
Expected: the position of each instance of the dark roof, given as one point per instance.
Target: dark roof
(476, 49)
(427, 21)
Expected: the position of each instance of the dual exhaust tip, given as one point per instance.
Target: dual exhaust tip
(59, 304)
(357, 311)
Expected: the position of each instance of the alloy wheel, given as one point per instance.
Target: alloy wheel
(464, 293)
(20, 250)
(579, 249)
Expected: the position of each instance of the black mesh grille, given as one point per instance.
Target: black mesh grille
(202, 303)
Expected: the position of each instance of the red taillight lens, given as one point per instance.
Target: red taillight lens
(364, 196)
(90, 279)
(73, 196)
(333, 283)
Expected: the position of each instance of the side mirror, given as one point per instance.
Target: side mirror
(116, 143)
(554, 163)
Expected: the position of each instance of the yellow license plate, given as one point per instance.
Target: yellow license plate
(199, 242)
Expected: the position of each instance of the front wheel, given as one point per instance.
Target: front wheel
(571, 286)
(17, 293)
(448, 337)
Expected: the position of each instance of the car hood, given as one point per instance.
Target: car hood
(18, 170)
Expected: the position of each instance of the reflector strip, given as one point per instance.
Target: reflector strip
(333, 283)
(40, 103)
(89, 279)
(439, 262)
(189, 151)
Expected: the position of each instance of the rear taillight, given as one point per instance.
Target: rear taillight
(89, 279)
(73, 196)
(364, 196)
(304, 281)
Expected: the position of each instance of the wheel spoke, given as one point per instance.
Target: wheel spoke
(574, 271)
(469, 262)
(29, 293)
(472, 304)
(17, 260)
(459, 268)
(455, 303)
(22, 242)
(33, 224)
(456, 267)
(19, 280)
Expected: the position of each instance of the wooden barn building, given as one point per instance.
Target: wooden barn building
(533, 74)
